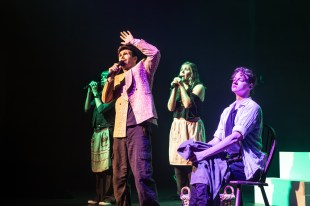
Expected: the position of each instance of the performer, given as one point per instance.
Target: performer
(186, 98)
(130, 84)
(101, 142)
(235, 151)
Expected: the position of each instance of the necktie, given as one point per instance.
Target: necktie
(230, 123)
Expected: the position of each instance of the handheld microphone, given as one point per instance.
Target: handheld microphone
(120, 63)
(173, 85)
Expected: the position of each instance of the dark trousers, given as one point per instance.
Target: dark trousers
(237, 172)
(104, 188)
(134, 153)
(199, 195)
(182, 177)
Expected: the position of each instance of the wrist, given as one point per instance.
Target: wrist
(135, 41)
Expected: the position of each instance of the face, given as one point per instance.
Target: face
(185, 71)
(103, 79)
(126, 56)
(240, 85)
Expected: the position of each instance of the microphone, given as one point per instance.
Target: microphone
(173, 85)
(120, 63)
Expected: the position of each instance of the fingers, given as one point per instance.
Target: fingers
(126, 36)
(114, 68)
(177, 79)
(93, 84)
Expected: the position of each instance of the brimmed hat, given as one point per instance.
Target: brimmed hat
(133, 49)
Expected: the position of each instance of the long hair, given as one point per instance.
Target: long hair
(194, 78)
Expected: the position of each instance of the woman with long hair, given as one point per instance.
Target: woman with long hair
(185, 101)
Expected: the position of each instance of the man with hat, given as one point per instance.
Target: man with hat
(130, 84)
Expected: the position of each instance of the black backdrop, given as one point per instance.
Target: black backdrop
(54, 48)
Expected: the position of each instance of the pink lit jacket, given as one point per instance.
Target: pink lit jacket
(136, 91)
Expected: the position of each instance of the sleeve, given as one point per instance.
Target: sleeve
(247, 118)
(220, 131)
(151, 52)
(107, 92)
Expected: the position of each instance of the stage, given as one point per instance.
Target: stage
(79, 198)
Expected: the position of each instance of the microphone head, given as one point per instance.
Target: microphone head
(121, 63)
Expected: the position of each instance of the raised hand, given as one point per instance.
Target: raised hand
(94, 87)
(126, 36)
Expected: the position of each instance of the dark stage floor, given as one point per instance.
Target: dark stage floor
(79, 198)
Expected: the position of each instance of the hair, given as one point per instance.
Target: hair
(105, 73)
(135, 52)
(194, 78)
(250, 76)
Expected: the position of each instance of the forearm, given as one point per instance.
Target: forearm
(87, 104)
(152, 55)
(106, 107)
(186, 101)
(221, 145)
(146, 48)
(97, 100)
(214, 141)
(172, 100)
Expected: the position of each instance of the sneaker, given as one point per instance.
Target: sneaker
(92, 202)
(104, 203)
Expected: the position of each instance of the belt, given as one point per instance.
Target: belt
(98, 129)
(236, 157)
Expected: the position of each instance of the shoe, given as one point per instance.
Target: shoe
(92, 202)
(109, 199)
(104, 203)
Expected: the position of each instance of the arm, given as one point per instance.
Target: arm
(172, 99)
(173, 94)
(87, 104)
(92, 89)
(104, 107)
(219, 147)
(151, 52)
(249, 115)
(214, 141)
(199, 90)
(186, 101)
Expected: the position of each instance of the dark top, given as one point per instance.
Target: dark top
(104, 115)
(194, 111)
(131, 119)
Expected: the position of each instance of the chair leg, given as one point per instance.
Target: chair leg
(238, 196)
(264, 195)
